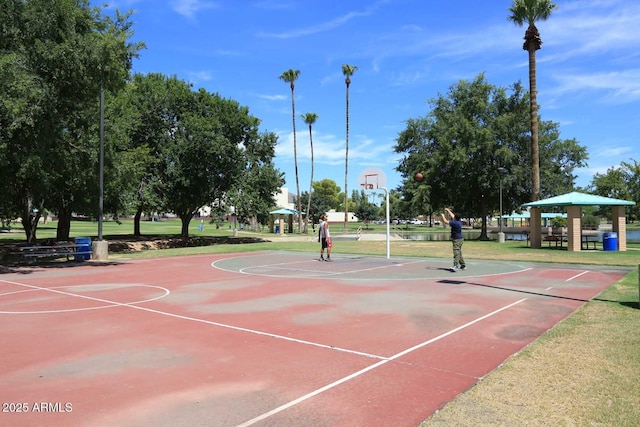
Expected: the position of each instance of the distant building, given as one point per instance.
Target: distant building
(338, 217)
(284, 199)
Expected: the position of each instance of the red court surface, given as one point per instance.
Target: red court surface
(267, 339)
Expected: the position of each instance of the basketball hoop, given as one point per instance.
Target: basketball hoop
(375, 179)
(372, 179)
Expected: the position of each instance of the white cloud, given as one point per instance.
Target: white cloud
(328, 25)
(196, 77)
(189, 8)
(273, 97)
(330, 150)
(618, 87)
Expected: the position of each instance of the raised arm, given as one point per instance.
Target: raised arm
(451, 216)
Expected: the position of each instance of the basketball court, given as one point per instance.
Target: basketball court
(268, 338)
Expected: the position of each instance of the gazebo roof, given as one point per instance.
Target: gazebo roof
(578, 199)
(526, 215)
(284, 211)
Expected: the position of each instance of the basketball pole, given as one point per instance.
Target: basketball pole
(386, 193)
(369, 175)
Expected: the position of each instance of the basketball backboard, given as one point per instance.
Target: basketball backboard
(372, 179)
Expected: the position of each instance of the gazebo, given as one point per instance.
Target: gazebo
(281, 214)
(574, 202)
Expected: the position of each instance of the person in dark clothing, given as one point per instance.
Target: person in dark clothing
(455, 223)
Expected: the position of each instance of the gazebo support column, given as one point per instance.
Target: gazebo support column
(619, 223)
(535, 227)
(281, 224)
(574, 228)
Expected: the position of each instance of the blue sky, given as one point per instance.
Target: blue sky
(407, 52)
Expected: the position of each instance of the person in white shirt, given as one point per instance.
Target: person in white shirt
(324, 236)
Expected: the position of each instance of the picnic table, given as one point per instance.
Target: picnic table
(554, 238)
(79, 251)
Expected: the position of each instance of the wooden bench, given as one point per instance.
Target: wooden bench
(75, 250)
(553, 238)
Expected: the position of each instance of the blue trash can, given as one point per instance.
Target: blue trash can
(277, 229)
(610, 241)
(84, 246)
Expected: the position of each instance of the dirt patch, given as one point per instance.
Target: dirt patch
(10, 252)
(130, 244)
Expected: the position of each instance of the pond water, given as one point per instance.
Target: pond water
(633, 236)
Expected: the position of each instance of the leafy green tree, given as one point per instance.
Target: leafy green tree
(462, 142)
(310, 119)
(632, 177)
(365, 210)
(178, 150)
(290, 76)
(395, 204)
(558, 160)
(460, 146)
(611, 184)
(328, 192)
(347, 71)
(208, 154)
(319, 205)
(615, 183)
(252, 194)
(590, 222)
(143, 119)
(529, 12)
(60, 55)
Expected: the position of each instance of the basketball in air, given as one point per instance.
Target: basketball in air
(418, 177)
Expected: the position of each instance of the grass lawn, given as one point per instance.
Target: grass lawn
(583, 372)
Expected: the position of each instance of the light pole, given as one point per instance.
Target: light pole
(100, 247)
(501, 171)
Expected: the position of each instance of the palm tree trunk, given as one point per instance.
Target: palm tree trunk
(295, 158)
(310, 182)
(346, 170)
(533, 107)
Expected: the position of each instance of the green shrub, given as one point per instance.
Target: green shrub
(559, 222)
(590, 222)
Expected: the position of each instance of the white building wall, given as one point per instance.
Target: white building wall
(282, 199)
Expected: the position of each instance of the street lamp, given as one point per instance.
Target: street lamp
(501, 171)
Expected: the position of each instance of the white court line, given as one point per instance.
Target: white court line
(576, 276)
(324, 273)
(383, 360)
(329, 274)
(207, 322)
(570, 279)
(371, 367)
(105, 286)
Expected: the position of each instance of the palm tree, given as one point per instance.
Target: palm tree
(290, 76)
(309, 119)
(348, 71)
(529, 12)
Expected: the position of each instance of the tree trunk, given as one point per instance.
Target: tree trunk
(136, 222)
(483, 231)
(64, 223)
(533, 107)
(306, 224)
(295, 158)
(186, 219)
(30, 225)
(346, 168)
